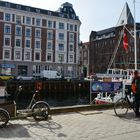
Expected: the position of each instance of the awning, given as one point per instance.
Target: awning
(7, 66)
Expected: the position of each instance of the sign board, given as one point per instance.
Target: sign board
(97, 86)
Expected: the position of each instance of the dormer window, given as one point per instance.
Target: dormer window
(38, 10)
(7, 4)
(27, 9)
(65, 9)
(18, 6)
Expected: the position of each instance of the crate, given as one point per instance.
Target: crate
(10, 106)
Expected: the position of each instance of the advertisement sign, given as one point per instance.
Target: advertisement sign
(97, 86)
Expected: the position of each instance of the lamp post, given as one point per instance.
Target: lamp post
(61, 59)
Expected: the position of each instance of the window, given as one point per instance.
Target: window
(71, 27)
(71, 36)
(85, 53)
(61, 47)
(71, 58)
(49, 45)
(18, 19)
(61, 36)
(18, 42)
(61, 25)
(38, 33)
(50, 24)
(38, 22)
(28, 43)
(37, 44)
(17, 55)
(27, 55)
(7, 41)
(6, 54)
(18, 30)
(75, 27)
(36, 68)
(67, 26)
(61, 57)
(49, 35)
(37, 56)
(71, 47)
(49, 57)
(28, 20)
(7, 17)
(7, 29)
(28, 32)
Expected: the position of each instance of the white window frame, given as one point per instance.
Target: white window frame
(30, 20)
(20, 42)
(61, 25)
(35, 56)
(7, 36)
(20, 21)
(5, 28)
(37, 29)
(36, 22)
(17, 26)
(28, 28)
(50, 25)
(6, 18)
(26, 44)
(9, 54)
(20, 55)
(37, 40)
(61, 48)
(61, 36)
(71, 60)
(47, 57)
(71, 37)
(25, 59)
(49, 37)
(51, 46)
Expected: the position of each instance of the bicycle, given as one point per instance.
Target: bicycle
(122, 105)
(40, 110)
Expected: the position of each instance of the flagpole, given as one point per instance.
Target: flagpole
(135, 41)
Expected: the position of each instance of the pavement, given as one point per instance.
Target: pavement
(79, 125)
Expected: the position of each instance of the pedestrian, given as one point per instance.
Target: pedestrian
(136, 91)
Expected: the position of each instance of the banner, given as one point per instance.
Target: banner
(105, 86)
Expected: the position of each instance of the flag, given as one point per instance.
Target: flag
(125, 42)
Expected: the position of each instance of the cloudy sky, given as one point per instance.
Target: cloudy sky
(94, 14)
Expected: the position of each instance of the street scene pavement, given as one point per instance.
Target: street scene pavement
(83, 125)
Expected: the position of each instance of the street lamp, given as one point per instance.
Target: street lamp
(61, 60)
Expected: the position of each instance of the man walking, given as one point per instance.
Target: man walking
(136, 90)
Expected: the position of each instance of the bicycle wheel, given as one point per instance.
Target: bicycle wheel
(121, 107)
(4, 118)
(40, 110)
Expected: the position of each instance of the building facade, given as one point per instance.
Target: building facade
(34, 39)
(107, 45)
(84, 59)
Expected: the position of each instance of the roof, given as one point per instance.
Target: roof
(126, 16)
(66, 10)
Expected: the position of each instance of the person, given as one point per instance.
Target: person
(136, 91)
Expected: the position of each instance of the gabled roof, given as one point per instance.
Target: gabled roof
(126, 16)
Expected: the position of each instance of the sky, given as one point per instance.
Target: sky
(95, 15)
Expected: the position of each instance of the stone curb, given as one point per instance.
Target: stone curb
(58, 110)
(68, 109)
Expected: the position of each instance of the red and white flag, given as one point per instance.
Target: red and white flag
(125, 42)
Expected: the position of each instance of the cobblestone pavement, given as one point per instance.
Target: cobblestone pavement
(88, 125)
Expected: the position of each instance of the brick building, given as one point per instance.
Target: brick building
(103, 44)
(33, 39)
(84, 59)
